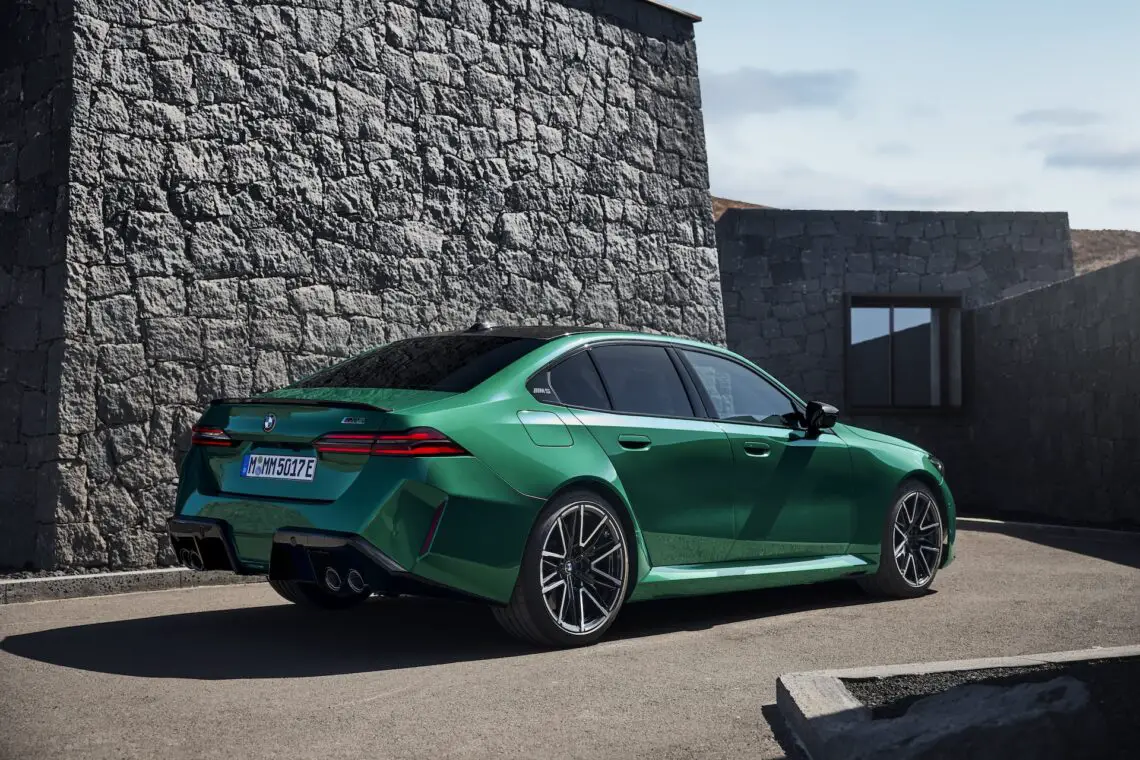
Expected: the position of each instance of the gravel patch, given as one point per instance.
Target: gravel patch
(1114, 686)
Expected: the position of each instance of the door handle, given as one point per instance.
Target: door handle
(633, 442)
(757, 449)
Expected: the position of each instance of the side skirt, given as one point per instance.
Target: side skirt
(724, 577)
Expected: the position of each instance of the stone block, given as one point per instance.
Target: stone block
(161, 296)
(173, 338)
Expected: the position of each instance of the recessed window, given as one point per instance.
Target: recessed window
(904, 353)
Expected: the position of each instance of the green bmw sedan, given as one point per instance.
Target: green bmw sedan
(555, 474)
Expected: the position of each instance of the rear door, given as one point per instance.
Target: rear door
(793, 493)
(673, 465)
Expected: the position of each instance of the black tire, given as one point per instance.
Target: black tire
(313, 596)
(528, 616)
(891, 581)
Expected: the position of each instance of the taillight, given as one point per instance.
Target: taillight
(418, 442)
(204, 435)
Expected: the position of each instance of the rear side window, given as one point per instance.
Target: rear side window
(575, 382)
(642, 380)
(453, 363)
(738, 394)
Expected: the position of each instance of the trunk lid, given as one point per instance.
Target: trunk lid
(273, 453)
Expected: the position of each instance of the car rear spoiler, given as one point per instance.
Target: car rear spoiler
(299, 402)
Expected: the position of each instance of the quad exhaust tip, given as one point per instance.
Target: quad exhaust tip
(356, 581)
(191, 559)
(332, 579)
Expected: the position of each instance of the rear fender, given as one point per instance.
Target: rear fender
(613, 491)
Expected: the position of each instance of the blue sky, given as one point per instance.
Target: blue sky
(917, 104)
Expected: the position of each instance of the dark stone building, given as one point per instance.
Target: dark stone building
(201, 199)
(964, 332)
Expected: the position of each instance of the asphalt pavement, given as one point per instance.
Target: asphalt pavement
(235, 672)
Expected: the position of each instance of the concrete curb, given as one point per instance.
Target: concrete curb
(820, 711)
(1006, 527)
(20, 590)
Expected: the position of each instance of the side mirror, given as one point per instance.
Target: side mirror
(819, 416)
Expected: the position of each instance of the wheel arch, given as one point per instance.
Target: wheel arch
(928, 480)
(629, 525)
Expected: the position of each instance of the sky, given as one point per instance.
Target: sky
(953, 105)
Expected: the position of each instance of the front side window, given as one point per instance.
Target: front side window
(642, 380)
(738, 394)
(452, 363)
(904, 353)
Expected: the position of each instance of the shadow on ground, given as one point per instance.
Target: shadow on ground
(782, 733)
(286, 641)
(1123, 548)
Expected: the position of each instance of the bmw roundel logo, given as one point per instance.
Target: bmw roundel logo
(268, 423)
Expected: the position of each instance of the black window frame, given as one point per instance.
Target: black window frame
(940, 302)
(703, 408)
(699, 412)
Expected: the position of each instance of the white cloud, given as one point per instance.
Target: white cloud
(744, 91)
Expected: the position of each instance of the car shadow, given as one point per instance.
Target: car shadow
(286, 641)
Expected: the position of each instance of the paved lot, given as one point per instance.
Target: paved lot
(232, 672)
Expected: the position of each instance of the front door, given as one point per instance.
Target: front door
(794, 499)
(792, 492)
(676, 469)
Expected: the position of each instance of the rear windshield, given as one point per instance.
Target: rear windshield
(453, 363)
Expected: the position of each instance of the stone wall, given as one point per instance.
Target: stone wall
(1055, 428)
(785, 275)
(261, 188)
(35, 96)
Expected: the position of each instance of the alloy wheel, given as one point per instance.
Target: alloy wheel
(584, 568)
(917, 539)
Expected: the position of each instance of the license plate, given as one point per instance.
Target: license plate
(278, 467)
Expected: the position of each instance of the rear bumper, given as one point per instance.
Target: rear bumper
(203, 543)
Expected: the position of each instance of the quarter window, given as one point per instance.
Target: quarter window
(575, 382)
(738, 394)
(642, 380)
(904, 353)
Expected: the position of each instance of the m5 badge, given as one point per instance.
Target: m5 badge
(352, 421)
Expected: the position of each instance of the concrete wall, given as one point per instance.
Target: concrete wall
(785, 275)
(258, 189)
(35, 96)
(1055, 428)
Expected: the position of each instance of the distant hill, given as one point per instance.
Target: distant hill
(1093, 249)
(720, 205)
